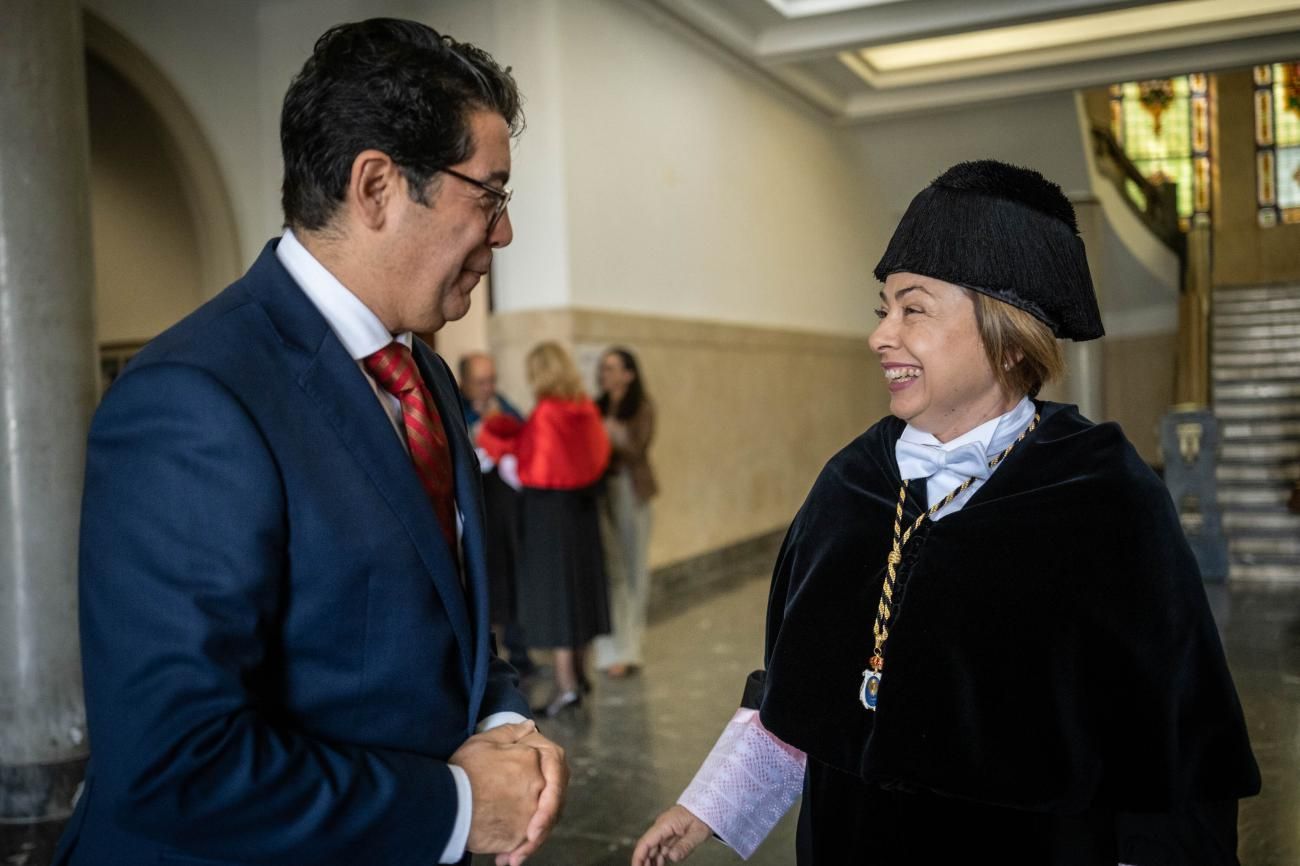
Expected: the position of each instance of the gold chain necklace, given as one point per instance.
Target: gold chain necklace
(869, 690)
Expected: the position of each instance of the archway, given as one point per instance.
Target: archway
(163, 227)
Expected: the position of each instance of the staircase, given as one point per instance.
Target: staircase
(1256, 386)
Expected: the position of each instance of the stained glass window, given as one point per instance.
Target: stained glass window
(1163, 125)
(1277, 142)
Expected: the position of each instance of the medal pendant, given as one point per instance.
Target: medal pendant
(870, 688)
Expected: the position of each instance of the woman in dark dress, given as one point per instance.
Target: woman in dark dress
(557, 457)
(987, 638)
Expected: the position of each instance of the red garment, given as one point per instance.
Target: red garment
(394, 369)
(562, 445)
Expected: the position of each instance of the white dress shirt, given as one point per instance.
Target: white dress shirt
(993, 436)
(362, 334)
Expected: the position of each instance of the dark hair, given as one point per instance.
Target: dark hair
(635, 395)
(396, 86)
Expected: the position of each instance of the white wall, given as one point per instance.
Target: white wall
(534, 271)
(694, 191)
(899, 157)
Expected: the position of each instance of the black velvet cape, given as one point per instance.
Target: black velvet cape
(1052, 652)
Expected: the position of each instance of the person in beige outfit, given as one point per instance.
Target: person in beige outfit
(625, 514)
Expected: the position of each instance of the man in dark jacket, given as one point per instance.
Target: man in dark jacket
(283, 581)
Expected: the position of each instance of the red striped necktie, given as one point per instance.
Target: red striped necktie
(394, 369)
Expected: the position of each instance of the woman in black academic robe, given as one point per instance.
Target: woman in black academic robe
(1024, 671)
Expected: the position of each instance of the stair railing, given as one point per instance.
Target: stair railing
(1157, 206)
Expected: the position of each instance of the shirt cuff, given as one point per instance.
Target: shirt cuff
(455, 850)
(496, 720)
(746, 784)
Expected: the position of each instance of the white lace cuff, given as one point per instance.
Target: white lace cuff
(746, 784)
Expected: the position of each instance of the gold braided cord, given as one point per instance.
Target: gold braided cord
(884, 610)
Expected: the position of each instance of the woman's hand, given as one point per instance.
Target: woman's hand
(617, 432)
(674, 835)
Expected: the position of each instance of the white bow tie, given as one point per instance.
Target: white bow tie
(922, 461)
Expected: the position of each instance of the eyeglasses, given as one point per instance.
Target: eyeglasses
(501, 196)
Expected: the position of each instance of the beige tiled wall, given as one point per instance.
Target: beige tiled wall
(1139, 387)
(747, 416)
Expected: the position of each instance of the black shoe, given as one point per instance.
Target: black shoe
(584, 684)
(561, 702)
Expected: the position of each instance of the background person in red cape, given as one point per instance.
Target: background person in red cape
(558, 455)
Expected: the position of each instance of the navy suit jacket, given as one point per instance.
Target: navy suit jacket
(279, 654)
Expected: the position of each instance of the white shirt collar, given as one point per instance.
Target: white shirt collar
(994, 434)
(357, 327)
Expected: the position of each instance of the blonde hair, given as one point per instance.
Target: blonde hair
(552, 373)
(1008, 332)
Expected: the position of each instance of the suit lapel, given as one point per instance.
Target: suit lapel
(330, 377)
(469, 499)
(344, 396)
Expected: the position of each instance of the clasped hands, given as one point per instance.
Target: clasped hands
(518, 779)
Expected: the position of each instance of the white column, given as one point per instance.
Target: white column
(47, 391)
(1086, 385)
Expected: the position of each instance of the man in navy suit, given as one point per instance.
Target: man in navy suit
(284, 610)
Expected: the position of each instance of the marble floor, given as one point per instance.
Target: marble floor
(636, 743)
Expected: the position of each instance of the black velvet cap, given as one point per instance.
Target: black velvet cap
(1006, 232)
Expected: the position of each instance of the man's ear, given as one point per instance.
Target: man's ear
(374, 181)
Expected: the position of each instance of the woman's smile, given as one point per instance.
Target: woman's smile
(898, 376)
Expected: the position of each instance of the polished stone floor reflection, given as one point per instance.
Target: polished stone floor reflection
(637, 742)
(1261, 633)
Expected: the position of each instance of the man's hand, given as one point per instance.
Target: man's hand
(506, 779)
(549, 804)
(673, 836)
